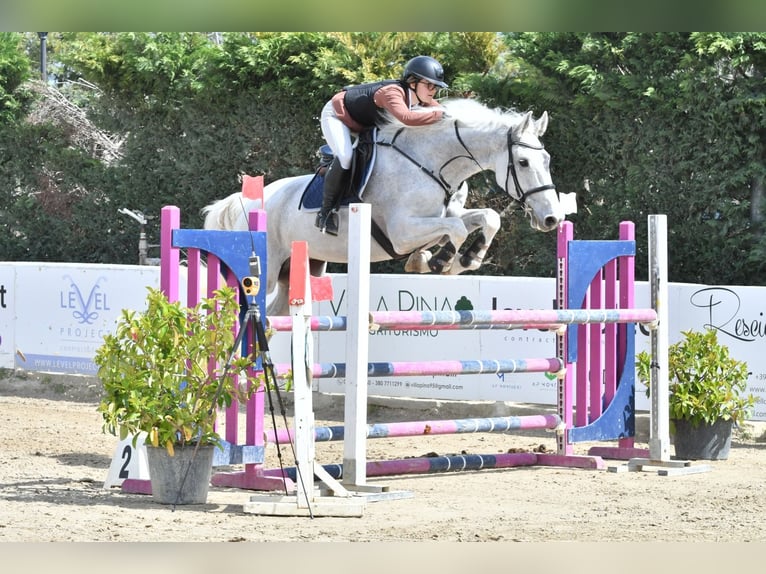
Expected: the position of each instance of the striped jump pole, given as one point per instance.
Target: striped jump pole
(434, 368)
(433, 427)
(427, 465)
(339, 323)
(499, 319)
(427, 319)
(448, 463)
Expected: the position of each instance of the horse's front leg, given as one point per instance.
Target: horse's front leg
(425, 261)
(488, 221)
(441, 260)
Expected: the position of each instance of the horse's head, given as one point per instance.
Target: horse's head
(506, 142)
(524, 173)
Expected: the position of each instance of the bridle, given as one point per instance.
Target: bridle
(521, 195)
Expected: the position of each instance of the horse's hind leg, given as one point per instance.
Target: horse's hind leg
(277, 286)
(418, 262)
(279, 304)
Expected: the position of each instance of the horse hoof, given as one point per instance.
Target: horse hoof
(438, 265)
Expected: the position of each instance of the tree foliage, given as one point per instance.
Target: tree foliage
(14, 71)
(640, 123)
(658, 123)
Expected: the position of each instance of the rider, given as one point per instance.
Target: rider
(409, 99)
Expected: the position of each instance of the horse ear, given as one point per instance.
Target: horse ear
(524, 123)
(542, 124)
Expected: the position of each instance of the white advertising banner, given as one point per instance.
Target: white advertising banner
(63, 311)
(53, 317)
(7, 316)
(738, 316)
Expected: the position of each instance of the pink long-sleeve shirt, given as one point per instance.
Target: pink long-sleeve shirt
(393, 99)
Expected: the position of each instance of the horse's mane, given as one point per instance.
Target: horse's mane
(467, 112)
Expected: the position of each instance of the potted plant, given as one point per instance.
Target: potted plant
(707, 394)
(166, 372)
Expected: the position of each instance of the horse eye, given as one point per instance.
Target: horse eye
(524, 162)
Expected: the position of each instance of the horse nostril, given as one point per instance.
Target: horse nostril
(551, 222)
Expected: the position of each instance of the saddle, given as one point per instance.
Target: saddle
(361, 168)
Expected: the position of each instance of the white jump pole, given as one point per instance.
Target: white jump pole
(659, 436)
(357, 347)
(301, 346)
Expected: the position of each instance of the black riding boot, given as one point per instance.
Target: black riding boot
(335, 181)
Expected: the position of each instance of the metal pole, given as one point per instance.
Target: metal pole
(43, 57)
(142, 247)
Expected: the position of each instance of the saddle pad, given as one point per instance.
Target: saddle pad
(311, 200)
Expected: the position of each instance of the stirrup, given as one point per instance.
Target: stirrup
(331, 223)
(327, 223)
(320, 221)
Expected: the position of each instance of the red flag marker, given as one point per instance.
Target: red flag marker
(252, 187)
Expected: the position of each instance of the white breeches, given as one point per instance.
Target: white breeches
(337, 135)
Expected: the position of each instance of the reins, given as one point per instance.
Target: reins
(440, 180)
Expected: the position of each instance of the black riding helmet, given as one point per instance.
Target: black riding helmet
(425, 68)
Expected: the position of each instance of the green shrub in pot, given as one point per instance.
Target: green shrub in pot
(154, 370)
(706, 384)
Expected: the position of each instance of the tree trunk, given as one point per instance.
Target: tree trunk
(756, 206)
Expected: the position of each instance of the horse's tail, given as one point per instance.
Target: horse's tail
(228, 213)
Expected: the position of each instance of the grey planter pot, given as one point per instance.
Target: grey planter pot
(702, 442)
(183, 478)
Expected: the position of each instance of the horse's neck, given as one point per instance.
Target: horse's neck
(468, 153)
(484, 146)
(458, 155)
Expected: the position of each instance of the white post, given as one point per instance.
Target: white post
(302, 352)
(659, 436)
(357, 345)
(659, 416)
